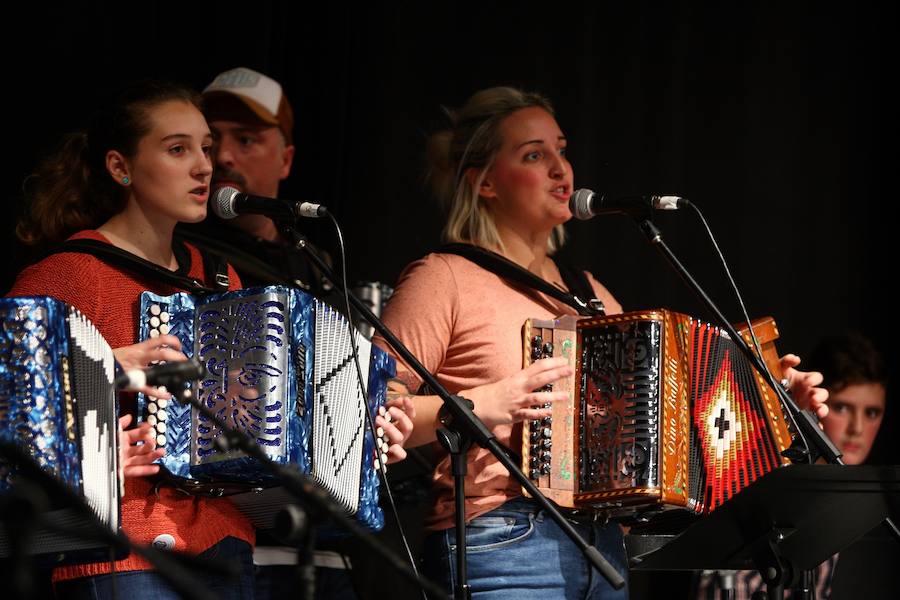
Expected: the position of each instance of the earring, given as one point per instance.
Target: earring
(125, 180)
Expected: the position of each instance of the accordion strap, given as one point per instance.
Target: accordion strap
(574, 278)
(126, 260)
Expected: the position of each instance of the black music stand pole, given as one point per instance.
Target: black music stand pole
(457, 443)
(463, 417)
(302, 534)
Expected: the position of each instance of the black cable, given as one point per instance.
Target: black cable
(382, 467)
(740, 300)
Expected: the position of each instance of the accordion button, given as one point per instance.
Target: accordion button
(154, 322)
(164, 317)
(152, 408)
(160, 427)
(162, 415)
(155, 309)
(152, 420)
(381, 410)
(154, 333)
(160, 440)
(164, 329)
(380, 432)
(164, 541)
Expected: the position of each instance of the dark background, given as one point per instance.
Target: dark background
(774, 118)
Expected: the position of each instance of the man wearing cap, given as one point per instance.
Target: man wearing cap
(252, 125)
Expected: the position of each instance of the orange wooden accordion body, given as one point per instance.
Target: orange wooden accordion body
(664, 411)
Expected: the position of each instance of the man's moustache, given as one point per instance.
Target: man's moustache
(221, 175)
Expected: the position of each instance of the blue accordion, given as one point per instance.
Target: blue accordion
(278, 367)
(58, 403)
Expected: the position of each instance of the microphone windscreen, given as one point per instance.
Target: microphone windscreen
(223, 202)
(580, 204)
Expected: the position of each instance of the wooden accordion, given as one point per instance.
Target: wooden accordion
(58, 403)
(664, 411)
(278, 367)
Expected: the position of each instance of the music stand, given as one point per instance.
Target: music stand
(788, 521)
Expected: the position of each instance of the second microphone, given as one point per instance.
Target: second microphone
(229, 202)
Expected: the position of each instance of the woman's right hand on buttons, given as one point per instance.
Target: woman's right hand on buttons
(510, 400)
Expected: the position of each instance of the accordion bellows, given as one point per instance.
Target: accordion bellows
(57, 402)
(664, 411)
(278, 367)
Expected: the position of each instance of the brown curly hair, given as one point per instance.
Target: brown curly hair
(71, 190)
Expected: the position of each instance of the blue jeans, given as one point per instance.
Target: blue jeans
(517, 552)
(140, 585)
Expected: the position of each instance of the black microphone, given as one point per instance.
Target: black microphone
(228, 202)
(170, 374)
(585, 204)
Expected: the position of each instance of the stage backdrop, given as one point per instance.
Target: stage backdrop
(774, 118)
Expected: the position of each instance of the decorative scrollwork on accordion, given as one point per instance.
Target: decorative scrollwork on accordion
(279, 368)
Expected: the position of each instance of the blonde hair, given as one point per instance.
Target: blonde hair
(473, 141)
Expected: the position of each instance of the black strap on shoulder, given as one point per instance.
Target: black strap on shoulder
(577, 282)
(135, 264)
(215, 266)
(239, 250)
(502, 266)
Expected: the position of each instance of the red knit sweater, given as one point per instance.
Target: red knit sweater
(110, 298)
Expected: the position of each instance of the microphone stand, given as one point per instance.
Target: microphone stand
(465, 426)
(817, 444)
(806, 420)
(36, 498)
(21, 507)
(303, 489)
